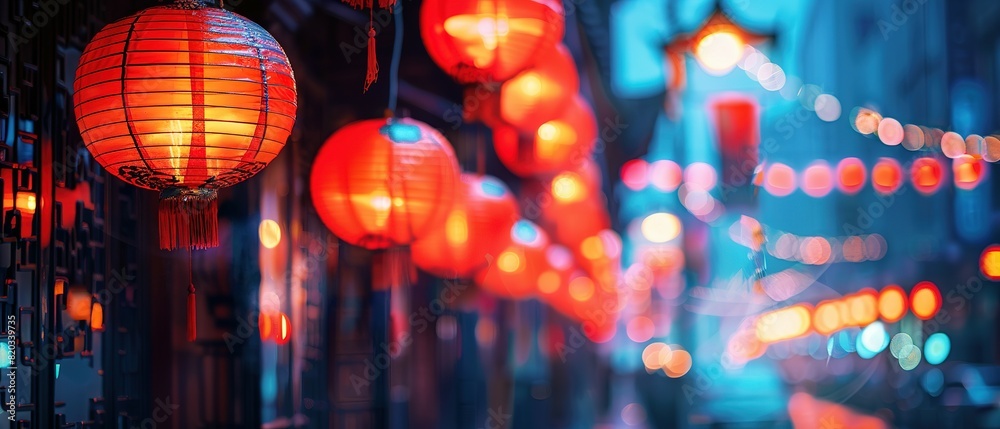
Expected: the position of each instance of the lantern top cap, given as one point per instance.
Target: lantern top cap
(192, 4)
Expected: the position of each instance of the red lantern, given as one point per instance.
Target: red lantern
(558, 144)
(536, 95)
(474, 233)
(887, 176)
(490, 40)
(381, 183)
(184, 99)
(570, 205)
(516, 270)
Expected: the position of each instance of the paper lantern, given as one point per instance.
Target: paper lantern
(381, 183)
(569, 206)
(926, 175)
(887, 176)
(516, 270)
(558, 144)
(474, 233)
(968, 171)
(536, 95)
(489, 40)
(184, 99)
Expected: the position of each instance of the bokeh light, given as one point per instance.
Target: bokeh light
(665, 175)
(784, 324)
(967, 171)
(817, 179)
(989, 262)
(913, 137)
(568, 187)
(780, 180)
(719, 52)
(851, 175)
(952, 144)
(660, 227)
(700, 176)
(866, 121)
(640, 329)
(936, 348)
(270, 233)
(890, 131)
(887, 176)
(892, 303)
(635, 174)
(899, 341)
(926, 174)
(827, 107)
(925, 300)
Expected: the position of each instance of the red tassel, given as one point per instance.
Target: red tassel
(372, 75)
(387, 4)
(192, 315)
(359, 4)
(189, 219)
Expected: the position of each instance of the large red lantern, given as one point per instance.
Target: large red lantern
(474, 233)
(487, 41)
(536, 95)
(558, 144)
(381, 183)
(516, 270)
(184, 99)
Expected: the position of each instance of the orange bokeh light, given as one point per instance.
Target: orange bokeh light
(892, 303)
(784, 324)
(886, 176)
(968, 172)
(925, 300)
(989, 262)
(851, 175)
(926, 174)
(827, 318)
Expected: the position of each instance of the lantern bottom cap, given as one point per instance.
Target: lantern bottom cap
(189, 218)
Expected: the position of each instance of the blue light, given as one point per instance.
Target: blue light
(933, 381)
(524, 231)
(493, 188)
(872, 341)
(936, 348)
(5, 357)
(401, 133)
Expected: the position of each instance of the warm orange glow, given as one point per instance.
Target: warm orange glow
(269, 233)
(926, 174)
(283, 330)
(60, 287)
(354, 198)
(549, 282)
(925, 300)
(719, 52)
(863, 307)
(892, 303)
(678, 364)
(660, 227)
(265, 324)
(867, 121)
(989, 262)
(536, 95)
(780, 180)
(568, 187)
(827, 318)
(26, 203)
(559, 144)
(491, 41)
(784, 324)
(97, 317)
(592, 247)
(886, 176)
(509, 262)
(968, 172)
(78, 303)
(581, 288)
(651, 356)
(851, 173)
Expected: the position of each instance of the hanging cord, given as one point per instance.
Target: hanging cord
(192, 307)
(397, 51)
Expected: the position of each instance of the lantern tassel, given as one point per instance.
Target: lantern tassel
(189, 218)
(192, 315)
(372, 75)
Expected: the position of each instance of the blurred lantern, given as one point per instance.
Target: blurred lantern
(265, 324)
(600, 255)
(78, 303)
(570, 208)
(780, 180)
(515, 271)
(489, 41)
(887, 176)
(558, 144)
(926, 175)
(269, 233)
(892, 303)
(968, 171)
(925, 300)
(535, 96)
(817, 179)
(851, 175)
(97, 317)
(381, 183)
(474, 233)
(184, 99)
